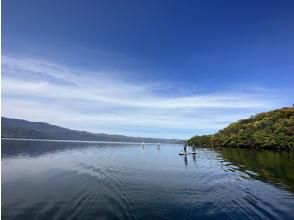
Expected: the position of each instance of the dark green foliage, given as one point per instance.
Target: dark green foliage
(204, 140)
(272, 130)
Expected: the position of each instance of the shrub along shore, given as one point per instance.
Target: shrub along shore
(267, 130)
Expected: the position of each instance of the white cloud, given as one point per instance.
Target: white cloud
(40, 91)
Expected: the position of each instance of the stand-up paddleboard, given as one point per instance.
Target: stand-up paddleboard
(181, 153)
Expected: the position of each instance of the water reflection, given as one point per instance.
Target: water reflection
(60, 180)
(186, 160)
(36, 148)
(270, 166)
(194, 157)
(13, 148)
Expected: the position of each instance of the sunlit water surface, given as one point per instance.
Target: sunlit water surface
(71, 180)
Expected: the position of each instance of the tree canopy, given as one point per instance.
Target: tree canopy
(268, 130)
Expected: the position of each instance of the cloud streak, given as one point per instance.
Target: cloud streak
(41, 91)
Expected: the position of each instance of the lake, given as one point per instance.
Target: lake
(80, 180)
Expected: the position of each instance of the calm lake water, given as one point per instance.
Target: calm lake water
(71, 180)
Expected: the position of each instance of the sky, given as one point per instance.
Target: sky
(150, 68)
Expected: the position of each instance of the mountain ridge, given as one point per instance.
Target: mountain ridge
(20, 128)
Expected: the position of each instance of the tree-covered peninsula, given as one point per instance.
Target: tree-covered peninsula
(267, 130)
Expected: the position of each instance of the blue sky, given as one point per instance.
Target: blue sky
(146, 68)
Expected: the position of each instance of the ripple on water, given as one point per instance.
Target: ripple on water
(118, 183)
(113, 191)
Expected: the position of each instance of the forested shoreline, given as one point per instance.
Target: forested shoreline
(267, 130)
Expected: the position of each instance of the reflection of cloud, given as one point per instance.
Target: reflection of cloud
(39, 91)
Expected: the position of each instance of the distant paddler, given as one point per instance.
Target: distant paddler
(185, 148)
(142, 145)
(158, 145)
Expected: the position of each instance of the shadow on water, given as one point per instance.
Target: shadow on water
(269, 166)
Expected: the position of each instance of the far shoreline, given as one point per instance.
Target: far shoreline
(76, 141)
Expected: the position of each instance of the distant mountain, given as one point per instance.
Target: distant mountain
(18, 128)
